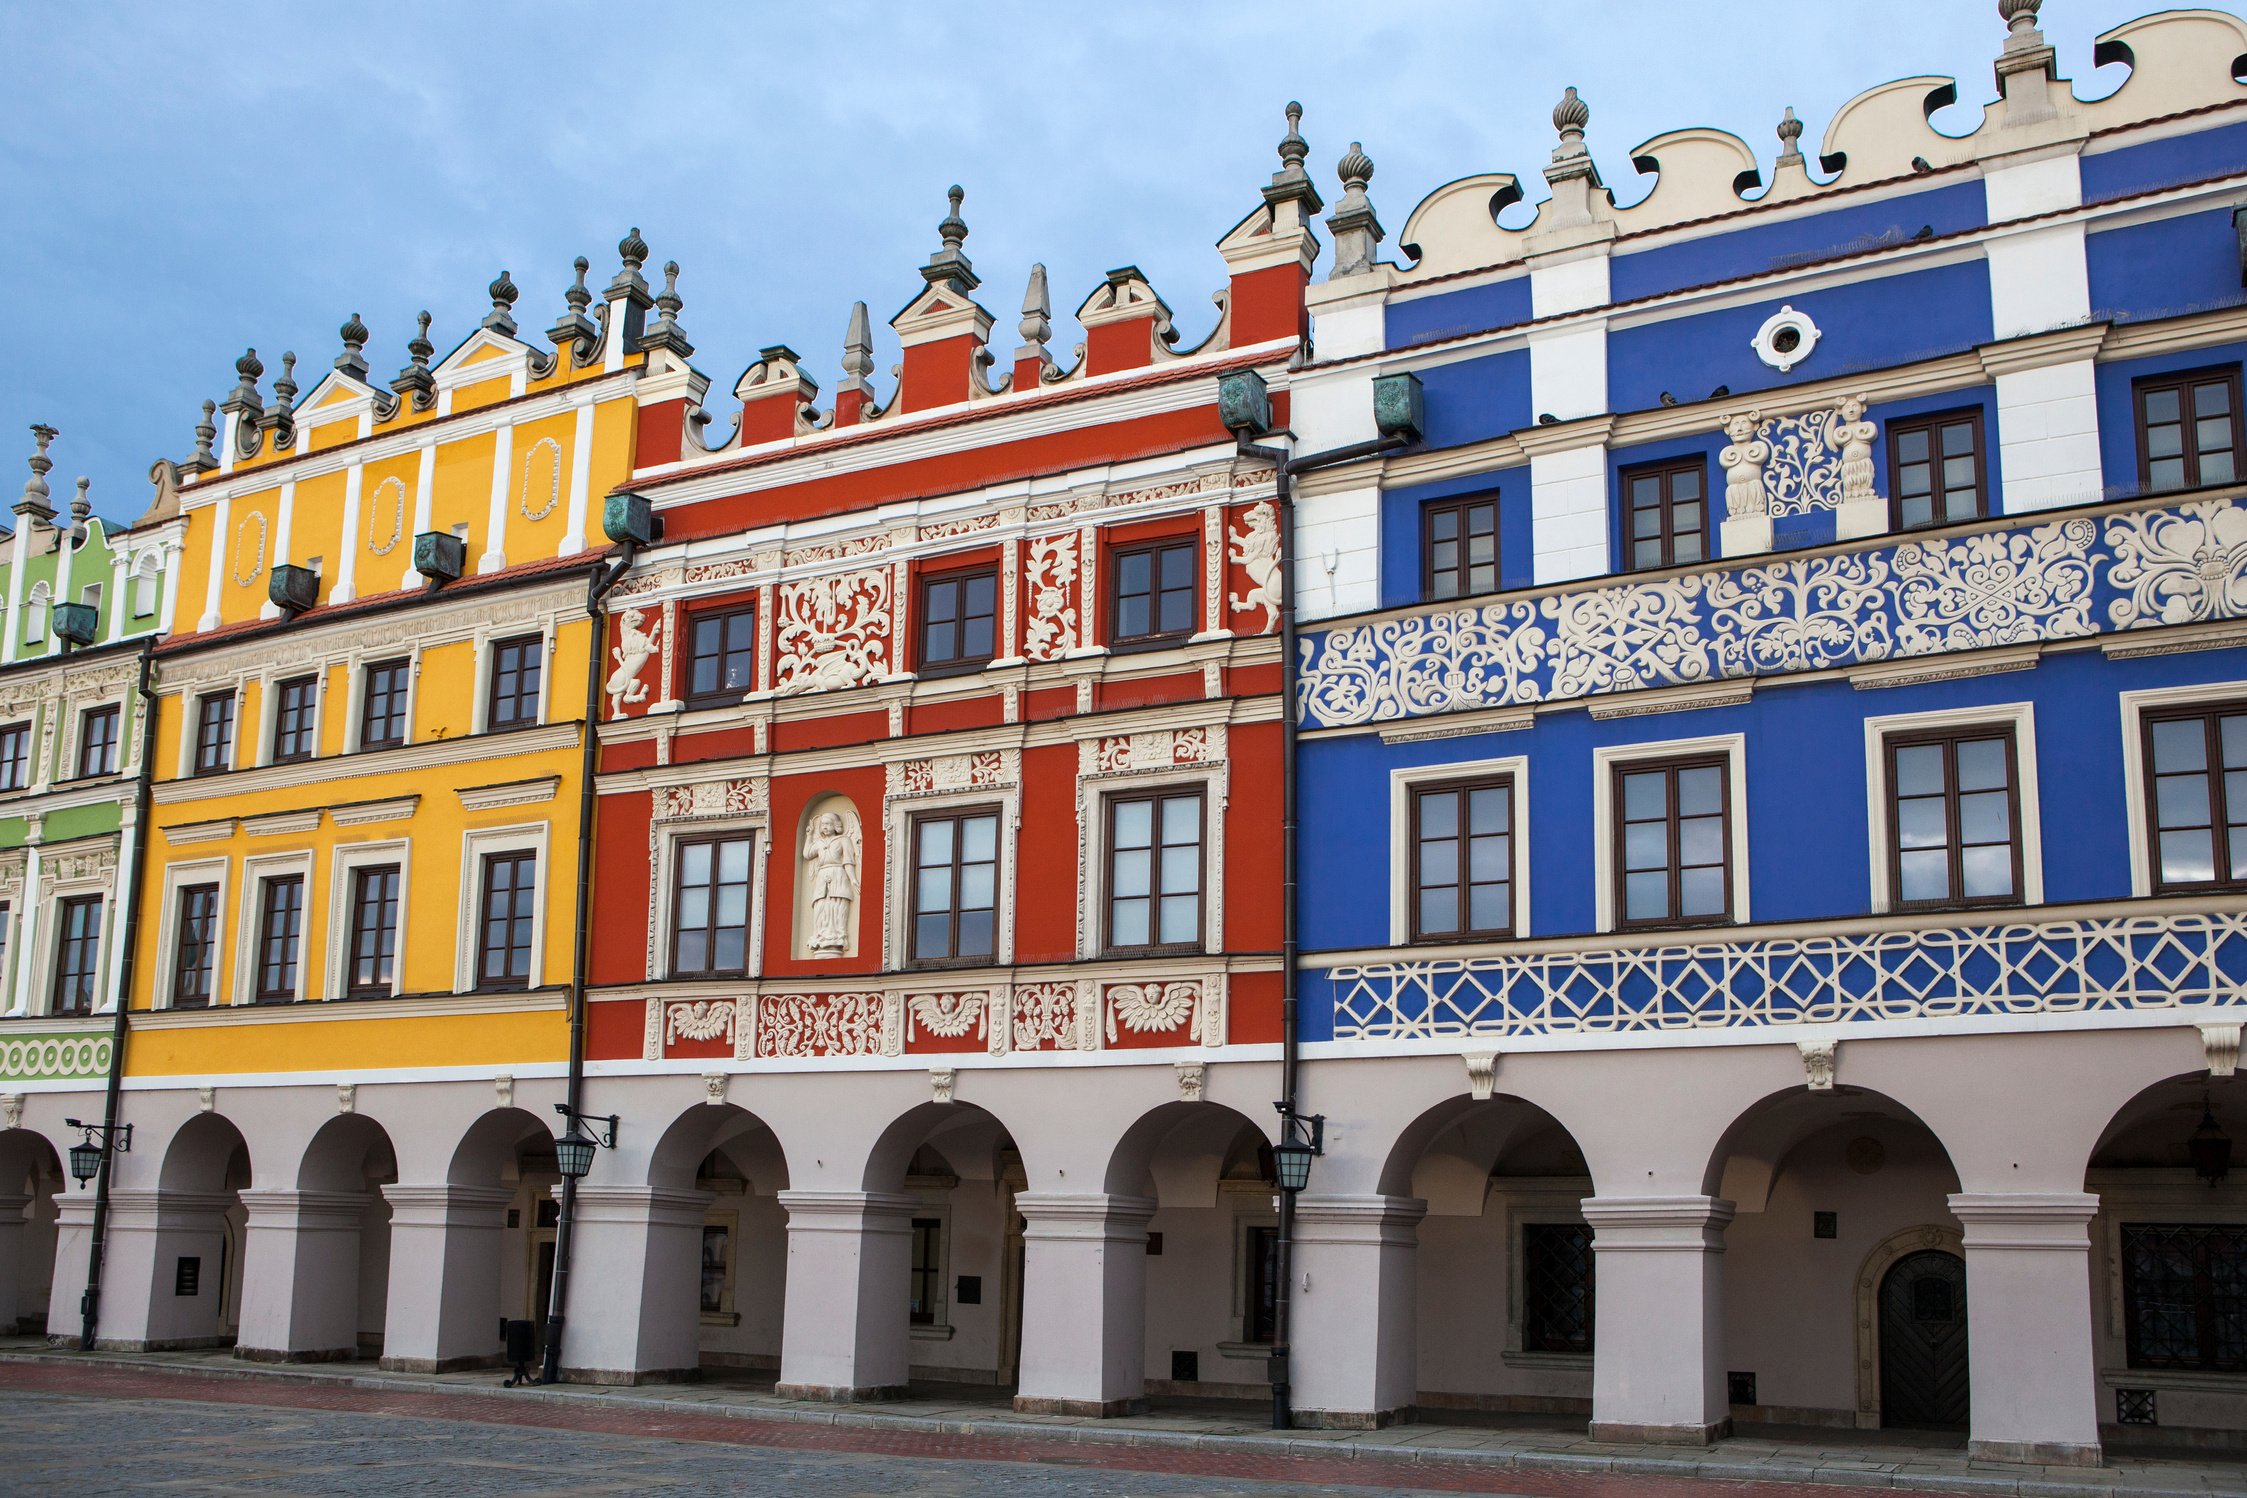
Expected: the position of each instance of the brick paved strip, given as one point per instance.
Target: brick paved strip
(1269, 1460)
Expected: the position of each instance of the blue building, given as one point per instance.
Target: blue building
(1773, 773)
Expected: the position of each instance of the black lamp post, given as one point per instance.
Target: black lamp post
(2209, 1148)
(573, 1151)
(100, 1139)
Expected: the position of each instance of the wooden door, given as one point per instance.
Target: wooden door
(1923, 1342)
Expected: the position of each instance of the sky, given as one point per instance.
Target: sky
(173, 190)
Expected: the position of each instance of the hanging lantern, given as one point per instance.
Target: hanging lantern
(574, 1152)
(2209, 1148)
(85, 1161)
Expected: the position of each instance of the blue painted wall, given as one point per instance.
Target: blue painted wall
(1401, 531)
(2163, 269)
(1471, 309)
(2118, 412)
(1474, 399)
(2220, 152)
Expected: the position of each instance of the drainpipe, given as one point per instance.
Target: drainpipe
(128, 940)
(606, 575)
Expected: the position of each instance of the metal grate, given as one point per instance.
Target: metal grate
(2184, 1295)
(1556, 1287)
(2134, 1407)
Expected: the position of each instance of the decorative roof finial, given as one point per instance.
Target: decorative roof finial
(286, 387)
(501, 319)
(81, 505)
(632, 249)
(952, 227)
(1356, 230)
(667, 334)
(1293, 148)
(353, 361)
(206, 433)
(415, 379)
(858, 351)
(1037, 313)
(1570, 116)
(2020, 18)
(951, 263)
(628, 282)
(1292, 184)
(1790, 139)
(35, 491)
(573, 327)
(578, 297)
(281, 420)
(244, 396)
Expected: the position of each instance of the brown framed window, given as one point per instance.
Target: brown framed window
(1151, 593)
(295, 707)
(710, 907)
(195, 946)
(77, 953)
(97, 740)
(1673, 842)
(15, 756)
(955, 894)
(1463, 859)
(1557, 1287)
(928, 1269)
(511, 699)
(2196, 797)
(1459, 548)
(959, 617)
(1954, 817)
(214, 733)
(1155, 871)
(505, 913)
(1666, 514)
(721, 655)
(2184, 1295)
(2189, 432)
(382, 704)
(1935, 470)
(1261, 1244)
(280, 937)
(373, 951)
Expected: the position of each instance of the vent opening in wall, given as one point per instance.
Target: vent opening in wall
(1825, 1225)
(1185, 1367)
(2134, 1407)
(1740, 1387)
(1786, 338)
(187, 1277)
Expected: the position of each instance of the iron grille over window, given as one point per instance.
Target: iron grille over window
(2184, 1295)
(1261, 1323)
(1556, 1287)
(928, 1270)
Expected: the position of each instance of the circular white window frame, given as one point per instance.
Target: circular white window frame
(1765, 342)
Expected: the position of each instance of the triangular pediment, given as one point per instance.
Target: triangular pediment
(484, 355)
(941, 312)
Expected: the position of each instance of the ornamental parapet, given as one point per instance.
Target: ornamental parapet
(2013, 581)
(2100, 967)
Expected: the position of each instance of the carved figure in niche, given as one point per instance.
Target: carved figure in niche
(833, 849)
(1851, 436)
(1257, 552)
(635, 647)
(1743, 465)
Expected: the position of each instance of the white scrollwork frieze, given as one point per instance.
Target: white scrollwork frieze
(700, 1019)
(1150, 1008)
(826, 1024)
(2181, 566)
(833, 631)
(1049, 1017)
(1052, 574)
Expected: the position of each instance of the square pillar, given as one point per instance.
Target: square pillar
(443, 1310)
(149, 1233)
(2030, 1356)
(300, 1276)
(13, 1234)
(634, 1312)
(1354, 1356)
(1658, 1350)
(1084, 1303)
(845, 1335)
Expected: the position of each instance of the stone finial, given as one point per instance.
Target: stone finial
(573, 327)
(2020, 18)
(950, 264)
(206, 434)
(667, 334)
(501, 319)
(1790, 138)
(578, 296)
(1357, 232)
(633, 251)
(1577, 200)
(1293, 148)
(1570, 116)
(1037, 315)
(415, 379)
(2025, 53)
(281, 420)
(353, 360)
(1291, 183)
(35, 491)
(858, 350)
(244, 396)
(81, 503)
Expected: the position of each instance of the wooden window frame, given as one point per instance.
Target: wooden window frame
(1460, 509)
(397, 700)
(711, 928)
(1619, 872)
(532, 657)
(955, 816)
(2210, 715)
(720, 695)
(355, 930)
(184, 941)
(111, 717)
(1950, 737)
(1465, 932)
(486, 868)
(959, 577)
(306, 713)
(2182, 382)
(86, 945)
(1259, 1283)
(15, 756)
(928, 1278)
(1154, 548)
(1157, 795)
(214, 752)
(1932, 424)
(1666, 470)
(260, 992)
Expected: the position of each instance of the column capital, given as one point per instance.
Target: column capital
(653, 1204)
(847, 1211)
(444, 1204)
(282, 1207)
(1657, 1221)
(1357, 1219)
(1069, 1214)
(2026, 1219)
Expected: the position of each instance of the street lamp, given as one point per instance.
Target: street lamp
(573, 1151)
(99, 1140)
(1291, 1157)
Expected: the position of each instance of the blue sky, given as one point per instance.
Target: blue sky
(173, 189)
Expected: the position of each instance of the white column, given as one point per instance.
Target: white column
(1658, 1362)
(221, 542)
(443, 1311)
(300, 1276)
(149, 1233)
(850, 1264)
(19, 554)
(168, 610)
(122, 895)
(347, 565)
(635, 1308)
(65, 560)
(1353, 1312)
(495, 522)
(120, 602)
(581, 480)
(1084, 1303)
(2030, 1358)
(26, 933)
(425, 484)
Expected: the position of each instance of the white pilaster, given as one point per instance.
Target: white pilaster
(300, 1275)
(634, 1312)
(280, 552)
(27, 923)
(2030, 1354)
(850, 1257)
(1084, 1303)
(1568, 502)
(1355, 1360)
(581, 479)
(495, 522)
(347, 565)
(425, 483)
(1658, 1371)
(443, 1310)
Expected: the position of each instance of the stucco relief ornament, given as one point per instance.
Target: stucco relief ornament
(946, 1015)
(1806, 468)
(1150, 1008)
(2181, 566)
(708, 1019)
(1800, 616)
(1623, 639)
(1852, 436)
(1743, 464)
(833, 849)
(634, 648)
(1046, 1018)
(1432, 663)
(1998, 588)
(833, 631)
(1256, 551)
(1053, 619)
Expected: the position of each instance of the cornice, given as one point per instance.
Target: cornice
(316, 1011)
(507, 744)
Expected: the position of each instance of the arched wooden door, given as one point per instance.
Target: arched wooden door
(1923, 1342)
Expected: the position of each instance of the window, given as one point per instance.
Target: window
(721, 655)
(382, 704)
(2189, 429)
(1556, 1287)
(928, 1269)
(295, 703)
(1935, 470)
(1260, 1321)
(214, 733)
(146, 581)
(1665, 513)
(97, 740)
(2196, 772)
(1463, 860)
(15, 756)
(504, 919)
(710, 908)
(1953, 817)
(372, 953)
(1155, 870)
(1153, 592)
(1673, 837)
(959, 620)
(717, 1254)
(77, 953)
(1459, 548)
(35, 615)
(513, 697)
(2184, 1295)
(955, 887)
(195, 946)
(280, 933)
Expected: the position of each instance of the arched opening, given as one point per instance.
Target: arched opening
(509, 1151)
(344, 1169)
(2169, 1266)
(730, 1280)
(1506, 1314)
(1843, 1277)
(31, 1182)
(197, 1300)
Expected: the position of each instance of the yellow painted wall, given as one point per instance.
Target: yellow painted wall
(356, 1044)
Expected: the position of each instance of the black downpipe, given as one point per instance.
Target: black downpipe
(128, 942)
(605, 577)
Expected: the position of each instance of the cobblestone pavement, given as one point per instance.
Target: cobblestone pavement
(104, 1430)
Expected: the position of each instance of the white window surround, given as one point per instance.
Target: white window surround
(475, 847)
(1402, 783)
(1249, 1204)
(46, 954)
(179, 876)
(2018, 716)
(898, 812)
(490, 635)
(667, 836)
(147, 579)
(355, 693)
(191, 723)
(1536, 1206)
(2134, 707)
(269, 695)
(256, 869)
(1092, 844)
(349, 857)
(1733, 747)
(73, 725)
